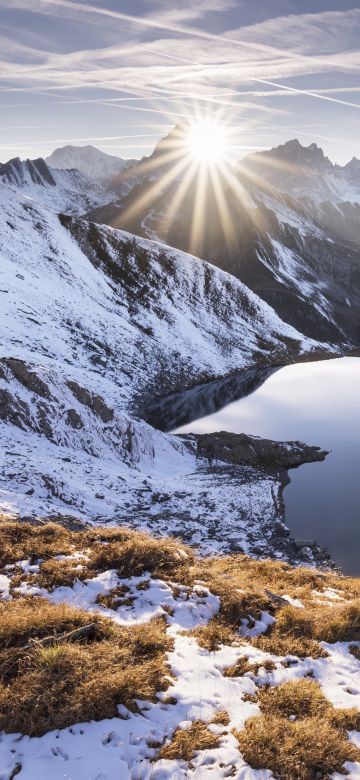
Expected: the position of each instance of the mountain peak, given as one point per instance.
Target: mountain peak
(306, 154)
(87, 159)
(170, 141)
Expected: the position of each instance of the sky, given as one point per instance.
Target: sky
(119, 74)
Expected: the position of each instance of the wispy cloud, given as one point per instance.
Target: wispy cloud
(168, 59)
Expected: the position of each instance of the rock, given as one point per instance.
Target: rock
(239, 448)
(300, 543)
(236, 545)
(27, 377)
(94, 402)
(279, 600)
(73, 418)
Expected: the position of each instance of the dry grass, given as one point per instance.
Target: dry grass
(44, 688)
(300, 698)
(299, 750)
(214, 634)
(338, 623)
(245, 586)
(221, 718)
(243, 666)
(253, 575)
(298, 734)
(185, 742)
(23, 540)
(115, 598)
(131, 553)
(53, 573)
(289, 645)
(140, 554)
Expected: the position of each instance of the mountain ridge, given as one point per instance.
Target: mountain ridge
(68, 190)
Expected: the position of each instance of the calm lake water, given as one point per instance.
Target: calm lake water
(318, 403)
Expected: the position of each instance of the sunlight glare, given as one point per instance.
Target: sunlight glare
(207, 142)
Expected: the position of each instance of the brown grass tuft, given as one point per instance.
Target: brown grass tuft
(303, 749)
(52, 687)
(338, 623)
(185, 742)
(221, 718)
(298, 734)
(115, 598)
(243, 666)
(300, 698)
(140, 554)
(215, 634)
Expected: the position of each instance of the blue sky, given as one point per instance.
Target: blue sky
(120, 74)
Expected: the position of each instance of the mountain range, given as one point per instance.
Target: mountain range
(89, 160)
(291, 228)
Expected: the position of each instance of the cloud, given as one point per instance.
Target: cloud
(159, 57)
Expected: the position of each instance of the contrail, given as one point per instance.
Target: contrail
(283, 87)
(157, 24)
(306, 92)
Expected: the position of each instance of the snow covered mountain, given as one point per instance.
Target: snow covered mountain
(89, 160)
(302, 256)
(95, 324)
(305, 172)
(69, 191)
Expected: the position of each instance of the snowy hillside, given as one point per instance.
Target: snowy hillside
(69, 191)
(89, 160)
(95, 323)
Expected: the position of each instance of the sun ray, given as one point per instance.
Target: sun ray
(141, 203)
(223, 208)
(179, 195)
(198, 221)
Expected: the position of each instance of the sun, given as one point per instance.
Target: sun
(206, 142)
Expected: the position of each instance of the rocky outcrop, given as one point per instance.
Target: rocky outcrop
(240, 448)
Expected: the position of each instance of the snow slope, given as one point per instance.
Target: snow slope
(69, 191)
(96, 322)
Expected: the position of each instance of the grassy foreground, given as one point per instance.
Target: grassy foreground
(60, 665)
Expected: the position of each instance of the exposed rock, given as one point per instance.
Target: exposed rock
(240, 448)
(27, 376)
(301, 543)
(94, 402)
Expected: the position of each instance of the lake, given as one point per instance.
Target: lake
(317, 403)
